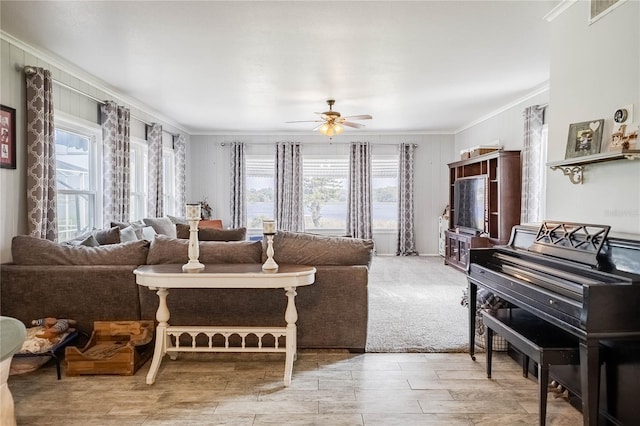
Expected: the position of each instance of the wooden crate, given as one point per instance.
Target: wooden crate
(115, 347)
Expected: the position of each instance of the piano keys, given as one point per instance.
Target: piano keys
(573, 276)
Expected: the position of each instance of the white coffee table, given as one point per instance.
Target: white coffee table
(164, 277)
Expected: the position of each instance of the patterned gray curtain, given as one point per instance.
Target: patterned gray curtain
(359, 207)
(41, 155)
(238, 184)
(155, 206)
(532, 162)
(116, 158)
(180, 150)
(406, 233)
(288, 187)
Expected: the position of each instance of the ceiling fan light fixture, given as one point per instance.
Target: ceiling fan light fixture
(338, 129)
(324, 129)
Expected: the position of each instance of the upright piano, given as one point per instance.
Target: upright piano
(579, 279)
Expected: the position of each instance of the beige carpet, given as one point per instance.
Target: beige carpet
(414, 306)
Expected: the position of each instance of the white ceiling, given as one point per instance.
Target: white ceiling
(216, 67)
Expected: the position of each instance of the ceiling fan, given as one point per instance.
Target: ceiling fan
(332, 123)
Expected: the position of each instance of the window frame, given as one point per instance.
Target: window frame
(139, 146)
(93, 132)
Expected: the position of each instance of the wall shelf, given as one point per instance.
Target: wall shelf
(574, 167)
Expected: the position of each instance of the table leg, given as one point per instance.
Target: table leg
(472, 297)
(162, 315)
(291, 316)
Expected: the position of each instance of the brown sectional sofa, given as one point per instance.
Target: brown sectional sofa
(97, 283)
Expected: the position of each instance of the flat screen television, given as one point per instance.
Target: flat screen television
(469, 197)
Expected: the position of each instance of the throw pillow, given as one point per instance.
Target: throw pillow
(176, 220)
(212, 234)
(128, 234)
(306, 249)
(88, 240)
(107, 236)
(162, 225)
(174, 250)
(28, 250)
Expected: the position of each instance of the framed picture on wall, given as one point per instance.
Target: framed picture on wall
(599, 8)
(584, 138)
(7, 137)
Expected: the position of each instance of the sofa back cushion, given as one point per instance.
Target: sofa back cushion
(212, 234)
(175, 250)
(27, 250)
(320, 250)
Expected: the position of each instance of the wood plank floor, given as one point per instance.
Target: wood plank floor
(329, 388)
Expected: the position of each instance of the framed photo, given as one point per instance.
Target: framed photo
(7, 137)
(584, 138)
(599, 8)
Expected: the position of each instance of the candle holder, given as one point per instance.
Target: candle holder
(269, 230)
(193, 217)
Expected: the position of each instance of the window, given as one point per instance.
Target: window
(77, 171)
(168, 181)
(259, 189)
(138, 179)
(384, 187)
(325, 189)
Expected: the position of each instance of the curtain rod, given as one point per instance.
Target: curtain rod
(415, 145)
(29, 70)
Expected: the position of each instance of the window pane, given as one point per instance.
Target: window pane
(260, 191)
(384, 199)
(73, 158)
(325, 192)
(74, 215)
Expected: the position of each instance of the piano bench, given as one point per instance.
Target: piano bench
(536, 339)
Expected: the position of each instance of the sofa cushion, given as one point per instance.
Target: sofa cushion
(175, 250)
(28, 250)
(309, 249)
(212, 234)
(142, 231)
(162, 225)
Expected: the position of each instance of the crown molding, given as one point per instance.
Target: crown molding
(558, 9)
(76, 72)
(536, 92)
(310, 133)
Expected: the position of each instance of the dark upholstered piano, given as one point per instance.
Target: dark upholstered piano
(583, 281)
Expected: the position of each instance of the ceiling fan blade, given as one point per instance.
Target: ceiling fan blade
(359, 117)
(317, 127)
(306, 121)
(354, 125)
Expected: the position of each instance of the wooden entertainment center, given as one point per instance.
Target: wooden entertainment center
(502, 203)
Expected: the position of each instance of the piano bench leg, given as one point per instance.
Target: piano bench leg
(543, 383)
(525, 366)
(489, 348)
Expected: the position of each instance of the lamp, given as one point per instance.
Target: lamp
(330, 128)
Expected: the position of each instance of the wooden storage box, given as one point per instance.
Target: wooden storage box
(481, 150)
(115, 347)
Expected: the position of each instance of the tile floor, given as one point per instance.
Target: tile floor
(328, 388)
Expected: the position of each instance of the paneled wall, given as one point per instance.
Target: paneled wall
(208, 174)
(14, 56)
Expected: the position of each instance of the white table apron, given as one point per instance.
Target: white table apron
(164, 277)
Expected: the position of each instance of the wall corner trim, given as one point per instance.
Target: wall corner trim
(558, 9)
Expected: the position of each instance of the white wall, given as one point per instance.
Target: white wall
(595, 69)
(506, 127)
(209, 174)
(14, 55)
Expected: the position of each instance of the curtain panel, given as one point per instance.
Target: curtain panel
(41, 155)
(359, 196)
(289, 209)
(532, 165)
(180, 150)
(238, 185)
(116, 196)
(154, 171)
(406, 232)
